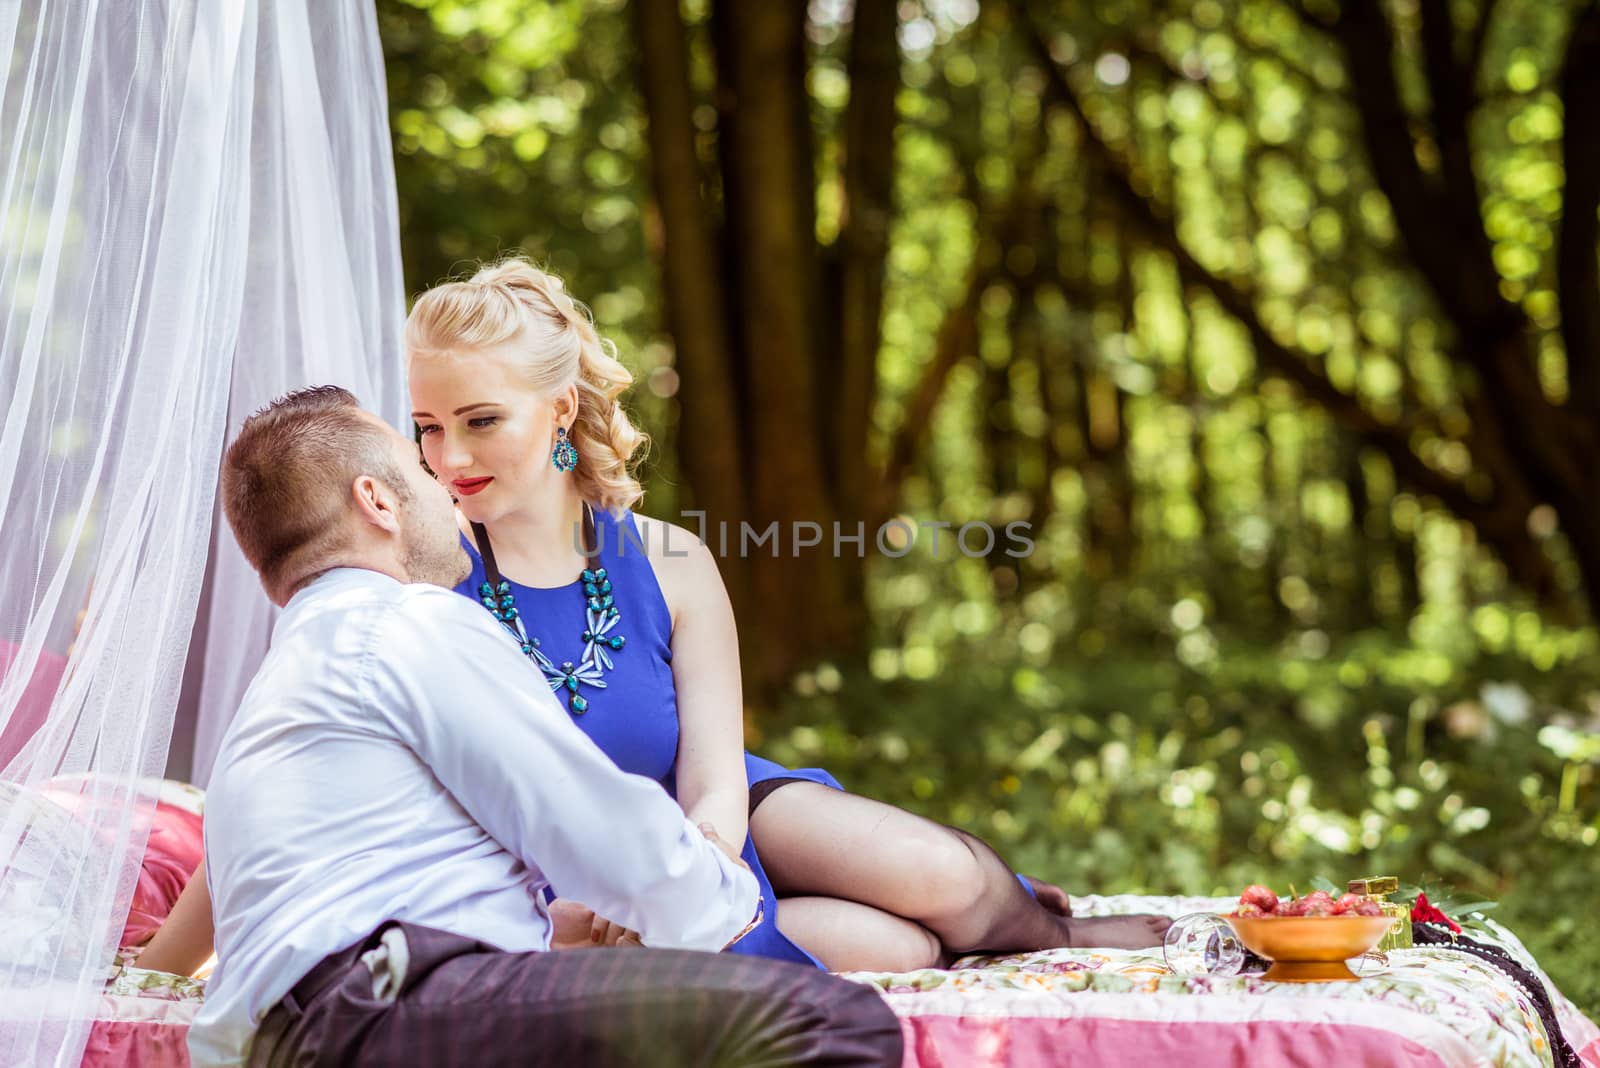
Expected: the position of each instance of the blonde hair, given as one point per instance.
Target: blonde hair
(513, 301)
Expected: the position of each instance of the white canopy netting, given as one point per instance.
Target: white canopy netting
(198, 213)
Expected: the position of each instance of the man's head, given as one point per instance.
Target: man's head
(314, 482)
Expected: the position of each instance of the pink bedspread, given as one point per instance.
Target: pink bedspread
(1029, 1030)
(1111, 1040)
(1425, 1008)
(139, 1031)
(987, 1024)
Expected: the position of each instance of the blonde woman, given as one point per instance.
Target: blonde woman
(515, 397)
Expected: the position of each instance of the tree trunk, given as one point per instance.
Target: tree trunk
(849, 390)
(801, 610)
(1039, 346)
(775, 402)
(1526, 449)
(1361, 606)
(710, 445)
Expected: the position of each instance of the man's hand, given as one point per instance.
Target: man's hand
(575, 926)
(605, 933)
(570, 925)
(715, 839)
(1052, 897)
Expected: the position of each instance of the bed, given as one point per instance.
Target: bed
(1427, 1008)
(1423, 1008)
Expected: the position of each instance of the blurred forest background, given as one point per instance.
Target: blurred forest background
(1278, 320)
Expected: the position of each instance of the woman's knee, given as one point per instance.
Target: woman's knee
(949, 875)
(912, 949)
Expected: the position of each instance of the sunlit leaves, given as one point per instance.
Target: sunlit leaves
(1522, 74)
(518, 126)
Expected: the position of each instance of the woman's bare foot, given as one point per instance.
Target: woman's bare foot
(1139, 930)
(1051, 896)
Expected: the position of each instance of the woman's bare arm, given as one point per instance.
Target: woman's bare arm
(185, 940)
(712, 786)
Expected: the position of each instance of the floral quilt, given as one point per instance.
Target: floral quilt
(1421, 1008)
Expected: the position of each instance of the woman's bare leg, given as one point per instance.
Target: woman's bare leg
(847, 936)
(816, 841)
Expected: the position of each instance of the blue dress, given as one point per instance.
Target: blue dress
(635, 718)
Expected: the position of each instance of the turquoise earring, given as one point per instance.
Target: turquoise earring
(564, 457)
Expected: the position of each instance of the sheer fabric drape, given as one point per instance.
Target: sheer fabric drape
(324, 299)
(196, 213)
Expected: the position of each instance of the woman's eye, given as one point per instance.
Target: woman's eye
(427, 428)
(483, 421)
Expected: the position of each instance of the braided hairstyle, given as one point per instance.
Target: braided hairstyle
(513, 302)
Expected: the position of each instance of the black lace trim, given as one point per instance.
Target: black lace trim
(1440, 937)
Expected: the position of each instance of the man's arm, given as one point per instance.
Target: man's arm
(482, 717)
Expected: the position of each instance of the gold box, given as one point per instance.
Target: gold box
(1379, 887)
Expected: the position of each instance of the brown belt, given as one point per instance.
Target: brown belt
(325, 973)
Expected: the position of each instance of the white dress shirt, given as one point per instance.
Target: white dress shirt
(397, 757)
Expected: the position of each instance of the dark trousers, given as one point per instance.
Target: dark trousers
(465, 1003)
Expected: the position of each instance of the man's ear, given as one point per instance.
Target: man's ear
(376, 503)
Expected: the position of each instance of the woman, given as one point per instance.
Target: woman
(515, 398)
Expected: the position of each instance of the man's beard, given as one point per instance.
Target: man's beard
(435, 560)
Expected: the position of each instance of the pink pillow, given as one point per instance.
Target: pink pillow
(172, 853)
(171, 856)
(34, 704)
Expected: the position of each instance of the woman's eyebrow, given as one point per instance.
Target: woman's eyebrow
(458, 411)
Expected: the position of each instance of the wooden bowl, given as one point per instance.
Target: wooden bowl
(1309, 949)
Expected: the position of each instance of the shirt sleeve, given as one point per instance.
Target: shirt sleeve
(483, 718)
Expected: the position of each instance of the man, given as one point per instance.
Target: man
(396, 791)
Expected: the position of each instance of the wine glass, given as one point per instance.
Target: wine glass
(1202, 943)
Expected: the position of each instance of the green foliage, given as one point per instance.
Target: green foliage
(516, 129)
(1243, 648)
(1128, 771)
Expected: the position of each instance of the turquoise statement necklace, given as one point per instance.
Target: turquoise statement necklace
(601, 617)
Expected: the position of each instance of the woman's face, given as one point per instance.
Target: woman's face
(486, 434)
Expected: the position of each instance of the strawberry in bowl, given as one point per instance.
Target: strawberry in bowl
(1308, 938)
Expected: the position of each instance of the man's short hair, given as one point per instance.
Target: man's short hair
(286, 480)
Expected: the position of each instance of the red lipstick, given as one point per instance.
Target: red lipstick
(466, 487)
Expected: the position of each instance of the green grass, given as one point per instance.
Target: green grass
(1129, 772)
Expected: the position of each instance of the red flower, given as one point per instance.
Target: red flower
(1422, 912)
